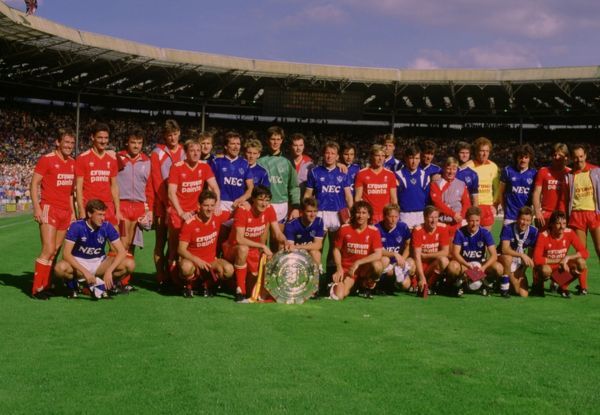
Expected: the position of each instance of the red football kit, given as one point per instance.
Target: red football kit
(254, 228)
(56, 188)
(355, 244)
(190, 183)
(96, 172)
(376, 189)
(202, 236)
(430, 242)
(553, 185)
(161, 160)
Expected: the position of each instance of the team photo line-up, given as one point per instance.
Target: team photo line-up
(394, 225)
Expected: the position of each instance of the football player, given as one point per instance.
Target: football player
(473, 248)
(348, 159)
(252, 150)
(516, 247)
(516, 183)
(551, 255)
(84, 255)
(465, 173)
(198, 248)
(307, 231)
(388, 143)
(413, 188)
(549, 187)
(53, 210)
(487, 174)
(428, 149)
(357, 254)
(302, 162)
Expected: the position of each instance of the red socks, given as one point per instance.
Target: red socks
(41, 277)
(240, 278)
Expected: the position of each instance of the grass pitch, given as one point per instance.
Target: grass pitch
(164, 354)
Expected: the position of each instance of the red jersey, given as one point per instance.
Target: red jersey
(96, 172)
(552, 248)
(355, 244)
(190, 182)
(376, 188)
(202, 236)
(161, 160)
(553, 184)
(430, 242)
(57, 180)
(255, 225)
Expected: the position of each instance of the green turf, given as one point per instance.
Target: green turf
(165, 354)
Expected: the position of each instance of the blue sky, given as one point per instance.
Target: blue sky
(419, 34)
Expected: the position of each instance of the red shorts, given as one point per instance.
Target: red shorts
(132, 211)
(584, 220)
(427, 265)
(252, 260)
(174, 221)
(57, 217)
(110, 216)
(363, 271)
(487, 215)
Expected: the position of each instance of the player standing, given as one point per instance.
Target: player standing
(348, 157)
(431, 249)
(375, 184)
(451, 197)
(283, 178)
(469, 248)
(302, 162)
(186, 181)
(516, 247)
(357, 254)
(551, 254)
(83, 251)
(487, 173)
(549, 191)
(162, 159)
(53, 210)
(413, 188)
(96, 176)
(516, 183)
(388, 143)
(252, 150)
(428, 149)
(198, 248)
(465, 173)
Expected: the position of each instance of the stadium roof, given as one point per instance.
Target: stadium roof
(43, 59)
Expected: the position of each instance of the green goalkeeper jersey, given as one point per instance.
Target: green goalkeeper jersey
(283, 178)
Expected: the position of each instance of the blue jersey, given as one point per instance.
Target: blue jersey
(392, 164)
(470, 178)
(519, 241)
(394, 240)
(353, 170)
(296, 231)
(517, 191)
(260, 175)
(89, 243)
(413, 190)
(473, 246)
(231, 176)
(432, 169)
(328, 186)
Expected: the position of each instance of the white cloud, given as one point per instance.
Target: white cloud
(326, 13)
(496, 56)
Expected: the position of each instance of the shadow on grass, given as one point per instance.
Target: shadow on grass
(21, 282)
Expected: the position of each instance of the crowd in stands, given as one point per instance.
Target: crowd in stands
(27, 133)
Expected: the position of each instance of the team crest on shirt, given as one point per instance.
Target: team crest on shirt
(529, 180)
(437, 237)
(56, 166)
(100, 239)
(367, 238)
(383, 239)
(564, 243)
(340, 179)
(313, 233)
(465, 243)
(480, 244)
(348, 236)
(224, 169)
(413, 181)
(385, 179)
(241, 170)
(322, 179)
(108, 164)
(399, 239)
(183, 175)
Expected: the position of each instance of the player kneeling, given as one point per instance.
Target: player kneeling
(248, 238)
(516, 246)
(395, 238)
(551, 260)
(197, 248)
(470, 263)
(357, 254)
(84, 254)
(431, 249)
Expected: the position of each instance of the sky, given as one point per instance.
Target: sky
(418, 34)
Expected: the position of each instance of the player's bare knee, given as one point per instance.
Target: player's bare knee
(453, 269)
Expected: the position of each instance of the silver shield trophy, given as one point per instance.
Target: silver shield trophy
(291, 277)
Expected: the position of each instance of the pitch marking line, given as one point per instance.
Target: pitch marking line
(15, 224)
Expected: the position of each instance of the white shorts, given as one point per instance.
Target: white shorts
(412, 219)
(509, 221)
(401, 273)
(515, 264)
(226, 205)
(91, 265)
(281, 209)
(331, 220)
